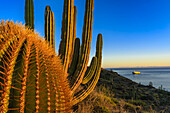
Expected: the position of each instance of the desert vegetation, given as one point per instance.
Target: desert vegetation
(33, 78)
(117, 94)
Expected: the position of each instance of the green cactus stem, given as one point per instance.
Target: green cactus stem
(85, 92)
(90, 71)
(67, 33)
(74, 34)
(74, 62)
(49, 26)
(85, 47)
(29, 14)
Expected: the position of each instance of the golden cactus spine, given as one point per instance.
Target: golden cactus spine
(32, 78)
(29, 14)
(49, 26)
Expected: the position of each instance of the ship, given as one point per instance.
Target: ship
(135, 72)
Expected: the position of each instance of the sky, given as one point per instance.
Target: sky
(136, 33)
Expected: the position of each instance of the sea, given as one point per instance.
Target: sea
(159, 77)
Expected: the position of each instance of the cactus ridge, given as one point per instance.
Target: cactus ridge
(31, 74)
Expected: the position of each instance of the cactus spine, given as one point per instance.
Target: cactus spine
(31, 75)
(29, 14)
(49, 26)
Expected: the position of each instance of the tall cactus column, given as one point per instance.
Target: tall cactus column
(67, 33)
(85, 47)
(29, 14)
(49, 26)
(92, 81)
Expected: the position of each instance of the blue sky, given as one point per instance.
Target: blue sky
(136, 32)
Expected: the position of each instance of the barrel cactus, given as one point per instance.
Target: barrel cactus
(32, 78)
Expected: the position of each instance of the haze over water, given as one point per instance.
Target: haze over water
(158, 76)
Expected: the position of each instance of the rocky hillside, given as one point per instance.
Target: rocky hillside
(114, 94)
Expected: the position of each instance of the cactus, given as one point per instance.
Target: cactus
(78, 73)
(65, 43)
(32, 78)
(90, 71)
(85, 47)
(67, 33)
(74, 62)
(29, 14)
(85, 92)
(49, 26)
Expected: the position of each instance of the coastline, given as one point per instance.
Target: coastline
(127, 89)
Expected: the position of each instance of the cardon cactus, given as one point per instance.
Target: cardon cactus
(79, 60)
(49, 26)
(32, 78)
(29, 14)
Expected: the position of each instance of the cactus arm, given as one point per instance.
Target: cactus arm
(84, 93)
(74, 34)
(29, 14)
(67, 32)
(74, 62)
(85, 47)
(53, 31)
(27, 22)
(90, 71)
(49, 26)
(9, 74)
(47, 9)
(46, 25)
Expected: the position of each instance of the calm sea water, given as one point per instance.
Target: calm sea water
(158, 76)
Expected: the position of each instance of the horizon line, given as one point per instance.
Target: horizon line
(140, 67)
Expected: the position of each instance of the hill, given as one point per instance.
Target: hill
(115, 93)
